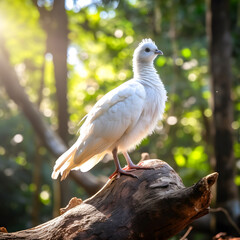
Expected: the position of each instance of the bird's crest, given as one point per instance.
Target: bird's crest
(146, 40)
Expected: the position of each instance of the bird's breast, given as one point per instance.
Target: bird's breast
(152, 112)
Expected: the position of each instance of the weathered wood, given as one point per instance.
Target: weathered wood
(154, 206)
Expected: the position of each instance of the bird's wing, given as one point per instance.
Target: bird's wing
(115, 110)
(105, 124)
(108, 120)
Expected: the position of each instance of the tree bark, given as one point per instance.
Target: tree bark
(218, 21)
(156, 205)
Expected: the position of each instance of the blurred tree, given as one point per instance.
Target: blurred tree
(48, 137)
(55, 24)
(221, 83)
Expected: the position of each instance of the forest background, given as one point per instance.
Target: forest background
(58, 57)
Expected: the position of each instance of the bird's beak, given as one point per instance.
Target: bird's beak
(158, 52)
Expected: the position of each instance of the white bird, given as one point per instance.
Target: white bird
(120, 119)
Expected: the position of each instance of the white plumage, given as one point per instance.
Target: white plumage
(120, 119)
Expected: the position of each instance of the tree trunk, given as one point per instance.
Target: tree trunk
(156, 205)
(218, 21)
(57, 35)
(55, 24)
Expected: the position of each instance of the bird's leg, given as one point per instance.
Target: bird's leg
(130, 164)
(119, 170)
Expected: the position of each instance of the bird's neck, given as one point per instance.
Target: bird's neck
(146, 72)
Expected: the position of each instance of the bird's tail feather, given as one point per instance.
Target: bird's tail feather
(63, 163)
(89, 164)
(83, 157)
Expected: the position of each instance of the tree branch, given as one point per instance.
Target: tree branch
(49, 138)
(154, 206)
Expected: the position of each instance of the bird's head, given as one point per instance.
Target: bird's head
(146, 51)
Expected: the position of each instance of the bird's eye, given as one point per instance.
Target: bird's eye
(147, 50)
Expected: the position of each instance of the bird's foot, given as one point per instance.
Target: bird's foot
(120, 172)
(133, 166)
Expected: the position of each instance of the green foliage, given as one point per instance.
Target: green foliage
(102, 40)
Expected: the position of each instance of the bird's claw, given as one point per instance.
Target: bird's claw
(120, 172)
(136, 167)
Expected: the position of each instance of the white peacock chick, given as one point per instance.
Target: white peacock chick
(121, 119)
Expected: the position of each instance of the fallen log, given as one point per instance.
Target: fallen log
(156, 205)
